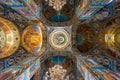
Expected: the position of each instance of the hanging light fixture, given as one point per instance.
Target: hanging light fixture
(56, 4)
(57, 72)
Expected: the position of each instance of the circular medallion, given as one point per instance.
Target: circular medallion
(9, 38)
(112, 37)
(59, 39)
(32, 39)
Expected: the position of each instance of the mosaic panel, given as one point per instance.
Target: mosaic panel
(107, 62)
(85, 38)
(31, 11)
(83, 6)
(108, 37)
(13, 3)
(100, 3)
(66, 13)
(10, 38)
(89, 13)
(89, 67)
(32, 38)
(16, 58)
(64, 62)
(8, 27)
(103, 15)
(112, 37)
(95, 7)
(59, 38)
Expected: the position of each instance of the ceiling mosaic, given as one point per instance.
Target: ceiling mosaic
(109, 35)
(9, 38)
(21, 37)
(12, 47)
(112, 37)
(85, 38)
(89, 8)
(32, 38)
(54, 61)
(27, 8)
(32, 8)
(65, 14)
(59, 38)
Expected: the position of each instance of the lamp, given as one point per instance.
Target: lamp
(57, 72)
(56, 4)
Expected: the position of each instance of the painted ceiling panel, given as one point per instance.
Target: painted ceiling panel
(27, 8)
(9, 38)
(65, 14)
(92, 7)
(59, 40)
(85, 38)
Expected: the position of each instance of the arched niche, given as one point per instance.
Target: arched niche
(33, 38)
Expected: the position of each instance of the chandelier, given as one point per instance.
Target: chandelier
(56, 4)
(56, 73)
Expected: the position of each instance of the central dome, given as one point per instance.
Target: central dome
(59, 39)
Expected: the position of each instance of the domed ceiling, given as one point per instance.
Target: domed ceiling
(109, 34)
(49, 66)
(59, 39)
(65, 14)
(32, 38)
(85, 38)
(9, 38)
(82, 37)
